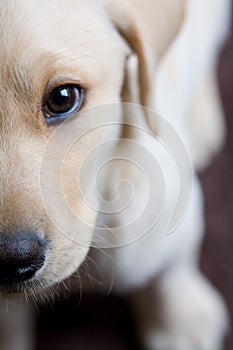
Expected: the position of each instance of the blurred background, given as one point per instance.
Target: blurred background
(104, 322)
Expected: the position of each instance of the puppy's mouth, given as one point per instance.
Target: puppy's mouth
(22, 257)
(19, 287)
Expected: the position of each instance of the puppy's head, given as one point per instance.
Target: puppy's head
(58, 61)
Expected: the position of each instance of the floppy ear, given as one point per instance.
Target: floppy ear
(148, 26)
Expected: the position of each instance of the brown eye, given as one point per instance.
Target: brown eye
(62, 102)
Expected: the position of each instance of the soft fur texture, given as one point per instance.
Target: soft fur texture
(158, 53)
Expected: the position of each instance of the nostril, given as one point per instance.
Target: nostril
(20, 257)
(18, 251)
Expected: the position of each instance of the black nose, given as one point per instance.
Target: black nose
(21, 256)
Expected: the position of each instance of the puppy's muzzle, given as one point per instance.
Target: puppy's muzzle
(21, 256)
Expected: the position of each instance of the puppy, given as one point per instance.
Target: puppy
(87, 162)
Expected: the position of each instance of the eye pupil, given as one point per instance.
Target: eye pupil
(62, 99)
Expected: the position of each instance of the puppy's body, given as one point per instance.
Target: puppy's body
(107, 47)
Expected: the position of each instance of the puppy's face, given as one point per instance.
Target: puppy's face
(56, 61)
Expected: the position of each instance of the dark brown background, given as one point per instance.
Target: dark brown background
(105, 322)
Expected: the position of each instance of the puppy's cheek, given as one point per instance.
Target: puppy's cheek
(63, 259)
(69, 231)
(70, 222)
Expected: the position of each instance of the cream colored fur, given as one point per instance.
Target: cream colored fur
(158, 53)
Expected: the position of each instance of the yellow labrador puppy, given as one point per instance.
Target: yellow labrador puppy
(87, 162)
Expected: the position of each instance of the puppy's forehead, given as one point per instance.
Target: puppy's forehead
(33, 33)
(48, 21)
(45, 41)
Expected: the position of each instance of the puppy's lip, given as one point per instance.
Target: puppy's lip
(18, 288)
